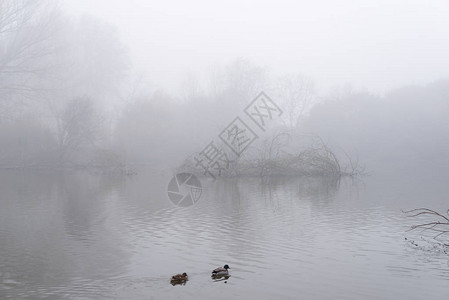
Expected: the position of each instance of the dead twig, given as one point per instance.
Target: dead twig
(439, 223)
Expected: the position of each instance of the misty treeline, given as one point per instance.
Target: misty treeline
(70, 98)
(57, 76)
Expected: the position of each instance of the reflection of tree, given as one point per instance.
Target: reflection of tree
(310, 188)
(85, 201)
(29, 226)
(322, 187)
(228, 192)
(46, 218)
(252, 200)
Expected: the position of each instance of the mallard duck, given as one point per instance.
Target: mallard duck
(221, 271)
(179, 279)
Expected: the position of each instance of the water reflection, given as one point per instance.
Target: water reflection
(50, 231)
(81, 236)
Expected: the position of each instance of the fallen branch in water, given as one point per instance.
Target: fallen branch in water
(439, 224)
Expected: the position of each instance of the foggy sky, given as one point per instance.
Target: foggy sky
(372, 45)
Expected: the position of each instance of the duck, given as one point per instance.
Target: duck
(179, 279)
(221, 271)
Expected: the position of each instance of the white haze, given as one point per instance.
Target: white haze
(373, 46)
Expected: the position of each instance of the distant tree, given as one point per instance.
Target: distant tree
(240, 78)
(45, 65)
(90, 62)
(296, 95)
(77, 127)
(191, 88)
(403, 129)
(26, 32)
(145, 131)
(25, 143)
(232, 87)
(96, 58)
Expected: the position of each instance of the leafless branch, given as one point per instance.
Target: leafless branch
(439, 223)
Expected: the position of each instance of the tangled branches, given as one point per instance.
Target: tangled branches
(275, 157)
(438, 224)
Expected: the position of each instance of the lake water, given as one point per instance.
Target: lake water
(79, 236)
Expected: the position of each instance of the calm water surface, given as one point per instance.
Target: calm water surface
(77, 236)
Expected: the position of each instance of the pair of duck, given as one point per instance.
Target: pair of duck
(216, 273)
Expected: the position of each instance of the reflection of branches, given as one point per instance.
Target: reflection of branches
(439, 226)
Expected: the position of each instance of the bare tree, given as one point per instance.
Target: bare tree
(353, 166)
(240, 78)
(297, 95)
(77, 127)
(275, 157)
(26, 30)
(191, 87)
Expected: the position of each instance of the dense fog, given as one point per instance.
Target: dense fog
(73, 95)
